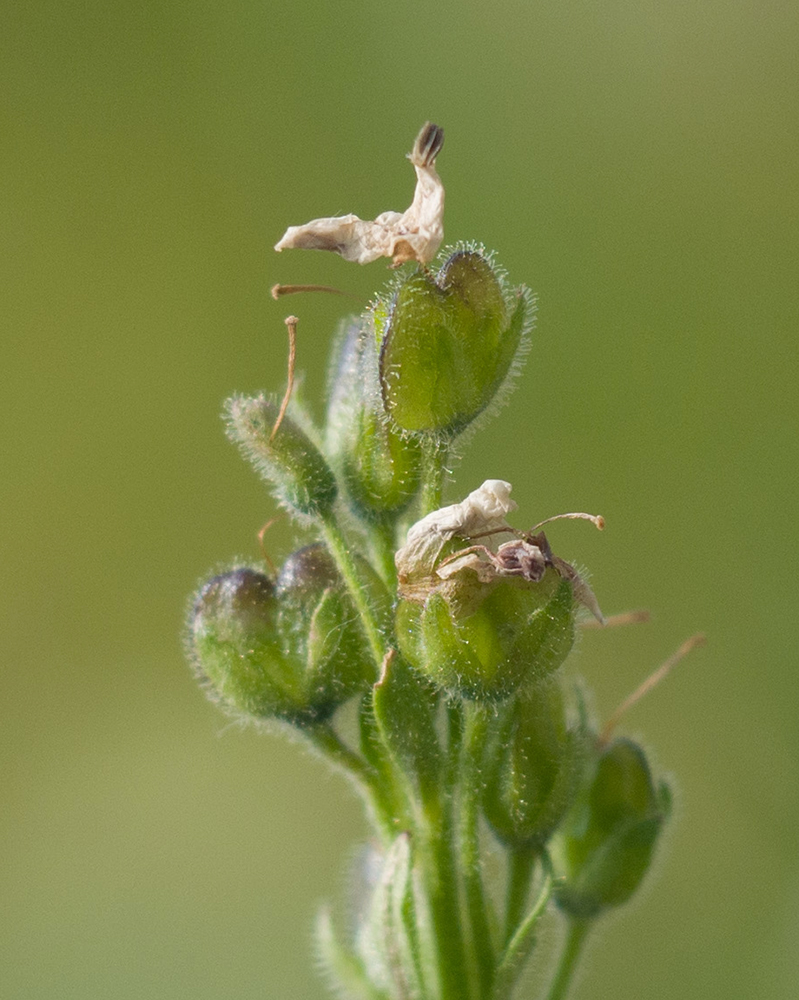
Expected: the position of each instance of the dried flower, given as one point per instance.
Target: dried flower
(482, 511)
(481, 515)
(415, 234)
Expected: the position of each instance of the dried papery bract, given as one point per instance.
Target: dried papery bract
(415, 234)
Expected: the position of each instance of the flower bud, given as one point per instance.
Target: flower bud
(321, 626)
(291, 650)
(605, 845)
(301, 478)
(532, 767)
(448, 344)
(380, 467)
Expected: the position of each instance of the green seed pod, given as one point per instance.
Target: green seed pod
(321, 626)
(301, 478)
(292, 650)
(508, 632)
(605, 845)
(380, 467)
(532, 767)
(448, 344)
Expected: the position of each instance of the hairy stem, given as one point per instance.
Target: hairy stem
(521, 863)
(366, 781)
(434, 457)
(441, 883)
(469, 842)
(340, 551)
(576, 933)
(521, 944)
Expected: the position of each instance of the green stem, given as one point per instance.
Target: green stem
(521, 944)
(455, 731)
(572, 949)
(339, 549)
(521, 864)
(383, 544)
(434, 457)
(390, 781)
(469, 797)
(325, 739)
(439, 868)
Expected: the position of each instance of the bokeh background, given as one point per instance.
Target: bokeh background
(636, 164)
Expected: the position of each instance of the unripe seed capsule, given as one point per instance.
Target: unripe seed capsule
(606, 843)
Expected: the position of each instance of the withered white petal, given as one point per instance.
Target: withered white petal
(415, 234)
(482, 512)
(472, 559)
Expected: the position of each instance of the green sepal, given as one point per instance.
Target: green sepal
(292, 650)
(387, 940)
(448, 344)
(532, 767)
(380, 467)
(290, 462)
(518, 633)
(346, 970)
(318, 623)
(405, 713)
(236, 646)
(606, 844)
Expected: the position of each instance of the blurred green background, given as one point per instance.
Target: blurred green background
(636, 164)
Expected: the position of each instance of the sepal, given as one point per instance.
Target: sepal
(380, 467)
(289, 461)
(532, 767)
(291, 650)
(607, 841)
(448, 343)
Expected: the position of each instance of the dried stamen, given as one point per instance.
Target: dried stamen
(654, 678)
(278, 291)
(596, 519)
(640, 617)
(291, 325)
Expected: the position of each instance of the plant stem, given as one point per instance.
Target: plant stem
(441, 882)
(469, 842)
(382, 545)
(339, 549)
(455, 730)
(439, 869)
(434, 457)
(521, 944)
(325, 739)
(576, 933)
(521, 863)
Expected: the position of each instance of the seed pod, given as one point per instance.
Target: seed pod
(379, 466)
(300, 477)
(605, 846)
(532, 767)
(483, 641)
(292, 650)
(448, 344)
